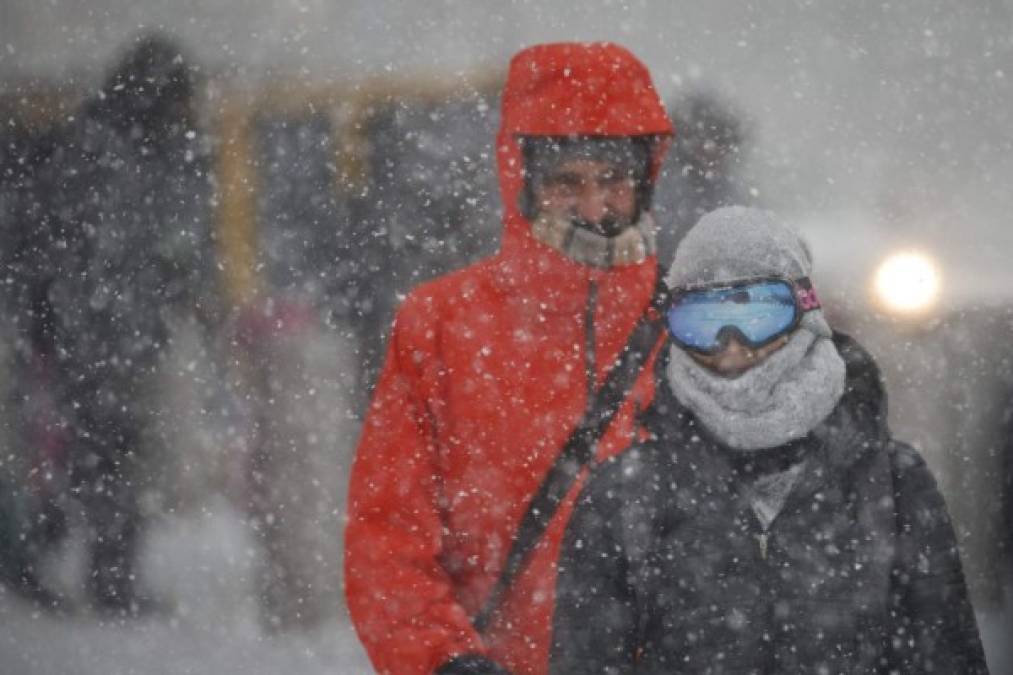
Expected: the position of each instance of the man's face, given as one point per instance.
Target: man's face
(591, 193)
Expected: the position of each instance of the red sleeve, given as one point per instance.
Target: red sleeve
(400, 598)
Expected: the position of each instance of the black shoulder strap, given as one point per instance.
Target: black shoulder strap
(578, 450)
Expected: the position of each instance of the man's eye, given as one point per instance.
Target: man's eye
(569, 182)
(614, 174)
(612, 178)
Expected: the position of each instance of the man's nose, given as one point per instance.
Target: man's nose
(592, 205)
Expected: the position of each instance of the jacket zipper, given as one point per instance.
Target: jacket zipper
(762, 541)
(589, 343)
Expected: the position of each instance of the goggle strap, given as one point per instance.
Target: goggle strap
(806, 295)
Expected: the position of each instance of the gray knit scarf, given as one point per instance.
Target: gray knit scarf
(631, 246)
(781, 399)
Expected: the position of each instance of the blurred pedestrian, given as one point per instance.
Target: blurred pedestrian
(131, 252)
(771, 524)
(298, 367)
(490, 370)
(33, 474)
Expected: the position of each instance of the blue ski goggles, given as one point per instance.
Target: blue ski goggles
(756, 311)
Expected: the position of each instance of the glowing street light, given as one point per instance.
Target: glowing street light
(907, 283)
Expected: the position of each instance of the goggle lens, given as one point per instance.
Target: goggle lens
(759, 311)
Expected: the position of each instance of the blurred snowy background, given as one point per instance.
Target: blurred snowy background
(351, 147)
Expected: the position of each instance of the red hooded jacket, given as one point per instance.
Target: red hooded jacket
(484, 380)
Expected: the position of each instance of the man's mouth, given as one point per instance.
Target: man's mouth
(606, 227)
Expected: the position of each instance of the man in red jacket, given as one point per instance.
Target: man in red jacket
(490, 368)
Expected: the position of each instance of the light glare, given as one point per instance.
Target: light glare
(907, 282)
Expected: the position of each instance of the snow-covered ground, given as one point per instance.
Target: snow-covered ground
(204, 565)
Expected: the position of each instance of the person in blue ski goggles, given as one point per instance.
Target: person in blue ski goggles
(769, 522)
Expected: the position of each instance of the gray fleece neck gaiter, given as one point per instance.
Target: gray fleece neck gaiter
(780, 400)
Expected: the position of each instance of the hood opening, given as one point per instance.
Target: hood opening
(631, 154)
(568, 90)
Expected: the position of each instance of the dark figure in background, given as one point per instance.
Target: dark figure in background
(33, 474)
(132, 252)
(297, 345)
(771, 524)
(703, 170)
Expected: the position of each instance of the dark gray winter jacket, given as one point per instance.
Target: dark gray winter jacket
(132, 244)
(666, 569)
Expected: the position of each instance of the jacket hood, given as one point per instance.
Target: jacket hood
(568, 89)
